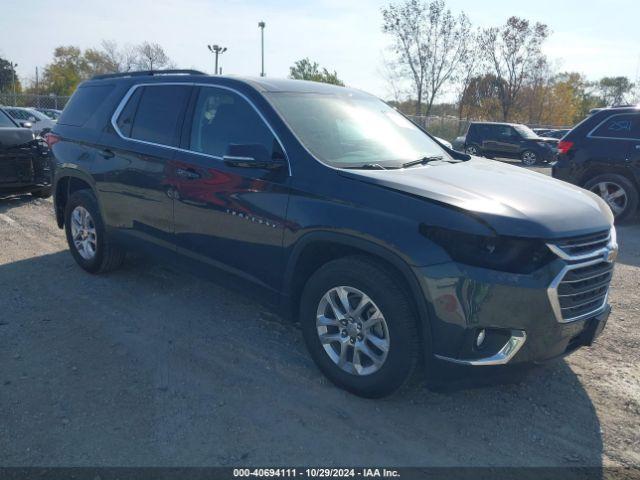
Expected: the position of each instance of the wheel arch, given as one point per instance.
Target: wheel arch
(594, 171)
(67, 182)
(317, 248)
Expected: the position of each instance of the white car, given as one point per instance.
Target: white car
(444, 142)
(39, 121)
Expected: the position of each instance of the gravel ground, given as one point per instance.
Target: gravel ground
(151, 367)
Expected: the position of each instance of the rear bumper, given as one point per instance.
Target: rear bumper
(515, 311)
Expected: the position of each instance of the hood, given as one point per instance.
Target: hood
(14, 137)
(509, 199)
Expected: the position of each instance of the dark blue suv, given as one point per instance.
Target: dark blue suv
(390, 249)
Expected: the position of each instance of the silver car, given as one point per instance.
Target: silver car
(40, 123)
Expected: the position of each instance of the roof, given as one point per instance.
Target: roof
(262, 84)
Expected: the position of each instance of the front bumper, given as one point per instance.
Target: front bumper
(515, 310)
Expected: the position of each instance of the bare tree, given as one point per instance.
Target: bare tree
(513, 53)
(430, 43)
(151, 56)
(470, 68)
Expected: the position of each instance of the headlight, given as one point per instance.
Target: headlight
(505, 254)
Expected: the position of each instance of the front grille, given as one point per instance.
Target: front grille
(584, 245)
(582, 287)
(583, 290)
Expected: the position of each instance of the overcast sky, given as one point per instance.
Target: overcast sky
(594, 37)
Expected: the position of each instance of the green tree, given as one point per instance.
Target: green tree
(68, 69)
(7, 77)
(305, 69)
(615, 90)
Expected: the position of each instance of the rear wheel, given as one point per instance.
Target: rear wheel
(360, 327)
(529, 158)
(89, 244)
(472, 150)
(619, 193)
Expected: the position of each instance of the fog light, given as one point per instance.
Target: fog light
(480, 338)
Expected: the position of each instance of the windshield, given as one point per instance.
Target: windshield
(5, 122)
(353, 130)
(525, 131)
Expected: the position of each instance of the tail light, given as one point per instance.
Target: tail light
(51, 139)
(564, 146)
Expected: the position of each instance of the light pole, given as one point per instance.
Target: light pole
(216, 50)
(262, 25)
(13, 81)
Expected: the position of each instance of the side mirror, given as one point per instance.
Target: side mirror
(251, 155)
(26, 124)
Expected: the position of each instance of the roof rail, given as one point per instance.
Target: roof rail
(147, 72)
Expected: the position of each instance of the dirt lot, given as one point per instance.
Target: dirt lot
(150, 366)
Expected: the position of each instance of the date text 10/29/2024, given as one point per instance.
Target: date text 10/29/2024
(315, 473)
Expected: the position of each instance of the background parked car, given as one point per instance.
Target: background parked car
(602, 154)
(24, 160)
(41, 124)
(509, 140)
(557, 133)
(52, 113)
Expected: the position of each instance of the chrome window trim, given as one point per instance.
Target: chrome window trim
(628, 139)
(552, 293)
(503, 356)
(133, 88)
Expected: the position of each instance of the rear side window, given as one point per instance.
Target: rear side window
(619, 126)
(158, 115)
(83, 104)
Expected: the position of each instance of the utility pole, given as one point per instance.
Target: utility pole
(37, 89)
(216, 50)
(262, 25)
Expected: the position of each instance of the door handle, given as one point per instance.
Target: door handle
(106, 153)
(188, 173)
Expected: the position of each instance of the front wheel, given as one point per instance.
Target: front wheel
(360, 327)
(529, 158)
(87, 237)
(619, 193)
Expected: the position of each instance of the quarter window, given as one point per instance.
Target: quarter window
(619, 126)
(221, 118)
(158, 114)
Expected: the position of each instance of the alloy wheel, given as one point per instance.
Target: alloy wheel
(612, 193)
(529, 158)
(83, 232)
(471, 150)
(352, 330)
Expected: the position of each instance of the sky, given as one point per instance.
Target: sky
(593, 37)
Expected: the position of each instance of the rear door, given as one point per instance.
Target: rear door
(138, 196)
(507, 141)
(229, 216)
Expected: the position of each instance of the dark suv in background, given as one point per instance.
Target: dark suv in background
(390, 249)
(507, 140)
(602, 154)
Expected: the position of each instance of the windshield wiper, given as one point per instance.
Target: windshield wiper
(423, 160)
(368, 166)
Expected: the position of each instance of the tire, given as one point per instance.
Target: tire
(606, 186)
(107, 256)
(529, 158)
(44, 193)
(472, 150)
(361, 275)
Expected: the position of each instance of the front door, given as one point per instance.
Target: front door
(229, 216)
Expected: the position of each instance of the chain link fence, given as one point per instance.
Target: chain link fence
(447, 127)
(55, 102)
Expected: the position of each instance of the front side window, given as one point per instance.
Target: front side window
(619, 126)
(353, 130)
(156, 114)
(221, 118)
